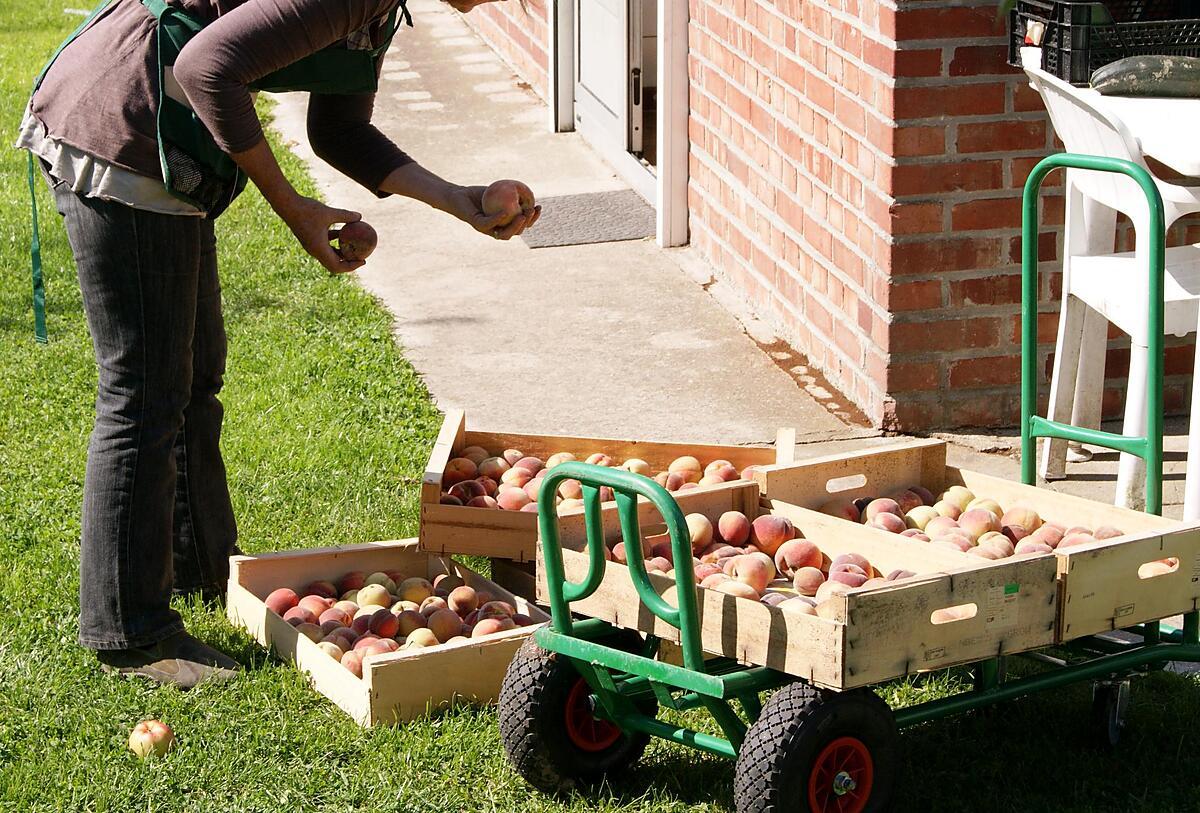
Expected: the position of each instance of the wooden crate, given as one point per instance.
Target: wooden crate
(1099, 586)
(447, 529)
(396, 686)
(872, 635)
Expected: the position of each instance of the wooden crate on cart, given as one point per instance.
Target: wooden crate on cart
(864, 636)
(394, 687)
(1103, 585)
(455, 529)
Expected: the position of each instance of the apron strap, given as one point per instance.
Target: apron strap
(35, 255)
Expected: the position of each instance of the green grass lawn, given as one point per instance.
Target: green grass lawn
(327, 431)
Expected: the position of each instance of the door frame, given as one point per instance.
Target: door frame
(669, 186)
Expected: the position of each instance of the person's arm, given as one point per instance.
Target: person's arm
(464, 202)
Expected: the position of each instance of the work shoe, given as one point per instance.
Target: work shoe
(180, 660)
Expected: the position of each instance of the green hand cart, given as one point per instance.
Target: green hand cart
(582, 697)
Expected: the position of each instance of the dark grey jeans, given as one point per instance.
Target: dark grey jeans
(156, 510)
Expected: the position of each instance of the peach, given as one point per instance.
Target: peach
(570, 489)
(1159, 567)
(531, 464)
(339, 617)
(796, 554)
(511, 456)
(807, 580)
(476, 454)
(431, 605)
(987, 504)
(348, 607)
(496, 609)
(925, 494)
(637, 466)
(1107, 532)
(661, 548)
(848, 577)
(1027, 518)
(379, 647)
(315, 604)
(658, 564)
(331, 649)
(1015, 533)
(558, 457)
(599, 459)
(1077, 529)
(688, 487)
(356, 240)
(1030, 545)
(384, 623)
(468, 490)
(373, 594)
(734, 528)
(531, 508)
(401, 606)
(977, 522)
(489, 486)
(726, 474)
(410, 620)
(493, 468)
(299, 615)
(449, 499)
(324, 589)
(1049, 534)
(717, 553)
(958, 543)
(414, 589)
(848, 567)
(998, 541)
(710, 480)
(939, 525)
(462, 599)
(772, 599)
(733, 587)
(884, 505)
(959, 496)
(712, 580)
(420, 638)
(151, 738)
(947, 509)
(768, 532)
(618, 553)
(686, 467)
(361, 623)
(749, 472)
(888, 522)
(445, 581)
(310, 631)
(513, 500)
(899, 573)
(913, 533)
(700, 528)
(841, 508)
(344, 637)
(459, 469)
(799, 605)
(490, 626)
(986, 552)
(1071, 540)
(907, 501)
(353, 662)
(569, 506)
(829, 589)
(516, 476)
(381, 578)
(754, 569)
(703, 570)
(354, 580)
(920, 516)
(445, 624)
(717, 464)
(282, 600)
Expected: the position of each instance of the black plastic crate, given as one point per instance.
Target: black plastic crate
(1080, 37)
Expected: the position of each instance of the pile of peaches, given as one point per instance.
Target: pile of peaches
(512, 480)
(762, 560)
(369, 614)
(959, 520)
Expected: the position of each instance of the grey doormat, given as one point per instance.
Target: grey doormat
(594, 217)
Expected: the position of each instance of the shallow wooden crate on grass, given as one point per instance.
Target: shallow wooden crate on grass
(867, 635)
(1100, 588)
(454, 529)
(396, 686)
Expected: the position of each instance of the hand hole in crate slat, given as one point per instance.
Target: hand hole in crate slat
(959, 612)
(850, 482)
(1159, 567)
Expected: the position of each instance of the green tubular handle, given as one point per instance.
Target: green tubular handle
(1148, 447)
(627, 487)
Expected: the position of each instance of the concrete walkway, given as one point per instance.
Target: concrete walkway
(615, 339)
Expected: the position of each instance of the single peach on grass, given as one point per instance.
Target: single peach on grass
(151, 738)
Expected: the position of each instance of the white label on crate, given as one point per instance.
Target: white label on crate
(1000, 611)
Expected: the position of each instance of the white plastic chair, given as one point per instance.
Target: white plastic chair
(1100, 286)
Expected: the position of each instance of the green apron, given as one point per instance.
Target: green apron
(194, 168)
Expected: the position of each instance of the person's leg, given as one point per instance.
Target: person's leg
(205, 530)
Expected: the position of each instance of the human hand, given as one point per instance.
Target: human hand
(310, 222)
(466, 203)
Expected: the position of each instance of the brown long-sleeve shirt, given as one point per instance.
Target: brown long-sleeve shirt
(101, 94)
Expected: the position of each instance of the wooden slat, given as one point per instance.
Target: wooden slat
(447, 529)
(1101, 589)
(878, 471)
(396, 686)
(449, 440)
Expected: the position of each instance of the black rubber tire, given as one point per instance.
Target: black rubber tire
(1109, 703)
(797, 722)
(533, 725)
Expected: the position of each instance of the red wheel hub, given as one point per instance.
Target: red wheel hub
(584, 729)
(841, 777)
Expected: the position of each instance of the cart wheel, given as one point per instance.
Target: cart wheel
(547, 724)
(1110, 699)
(818, 752)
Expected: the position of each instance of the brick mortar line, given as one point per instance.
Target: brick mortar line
(773, 217)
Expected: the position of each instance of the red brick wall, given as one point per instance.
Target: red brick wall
(521, 36)
(789, 170)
